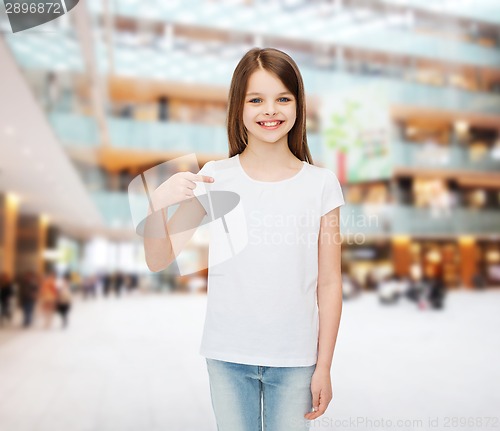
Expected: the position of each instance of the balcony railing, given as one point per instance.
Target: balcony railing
(75, 130)
(114, 207)
(81, 131)
(406, 93)
(397, 86)
(424, 156)
(356, 220)
(374, 220)
(374, 33)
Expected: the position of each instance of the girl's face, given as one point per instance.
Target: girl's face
(267, 100)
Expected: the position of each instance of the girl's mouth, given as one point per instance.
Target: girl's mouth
(270, 125)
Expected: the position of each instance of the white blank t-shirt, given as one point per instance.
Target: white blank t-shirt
(261, 303)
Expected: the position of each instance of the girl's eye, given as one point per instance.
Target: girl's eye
(286, 99)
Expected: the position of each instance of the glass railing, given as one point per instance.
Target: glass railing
(458, 221)
(445, 98)
(357, 221)
(392, 91)
(57, 50)
(360, 220)
(405, 93)
(481, 10)
(374, 32)
(369, 220)
(81, 131)
(78, 130)
(115, 209)
(167, 136)
(424, 156)
(437, 48)
(75, 130)
(181, 66)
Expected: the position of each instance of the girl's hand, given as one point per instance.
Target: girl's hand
(321, 389)
(177, 188)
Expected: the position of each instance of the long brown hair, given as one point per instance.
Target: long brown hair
(282, 66)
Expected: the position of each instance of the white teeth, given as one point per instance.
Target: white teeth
(270, 124)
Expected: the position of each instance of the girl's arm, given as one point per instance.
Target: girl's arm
(329, 287)
(174, 233)
(161, 252)
(329, 308)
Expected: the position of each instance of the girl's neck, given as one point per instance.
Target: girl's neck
(264, 159)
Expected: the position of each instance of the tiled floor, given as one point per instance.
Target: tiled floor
(132, 364)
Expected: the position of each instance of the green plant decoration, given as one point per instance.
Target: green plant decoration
(344, 130)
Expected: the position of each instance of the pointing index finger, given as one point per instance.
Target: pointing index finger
(204, 178)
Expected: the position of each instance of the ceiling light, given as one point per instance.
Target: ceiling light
(461, 126)
(13, 198)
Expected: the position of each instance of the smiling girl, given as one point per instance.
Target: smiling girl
(273, 309)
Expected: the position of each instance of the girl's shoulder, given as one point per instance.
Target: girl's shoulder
(319, 170)
(325, 176)
(225, 163)
(219, 165)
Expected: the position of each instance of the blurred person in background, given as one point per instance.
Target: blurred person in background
(371, 280)
(437, 291)
(388, 290)
(29, 286)
(106, 284)
(350, 287)
(127, 283)
(416, 286)
(479, 281)
(89, 286)
(6, 293)
(134, 278)
(75, 281)
(433, 290)
(63, 305)
(48, 298)
(424, 290)
(118, 280)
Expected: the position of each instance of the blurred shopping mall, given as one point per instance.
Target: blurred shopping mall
(112, 88)
(403, 105)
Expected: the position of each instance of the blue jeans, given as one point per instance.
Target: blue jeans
(252, 397)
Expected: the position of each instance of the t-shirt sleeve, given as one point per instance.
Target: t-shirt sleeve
(202, 188)
(332, 193)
